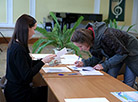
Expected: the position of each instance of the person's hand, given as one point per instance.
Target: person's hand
(48, 58)
(98, 67)
(79, 64)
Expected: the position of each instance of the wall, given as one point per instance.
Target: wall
(3, 17)
(43, 7)
(20, 7)
(104, 9)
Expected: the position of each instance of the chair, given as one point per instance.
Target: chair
(2, 97)
(4, 39)
(3, 81)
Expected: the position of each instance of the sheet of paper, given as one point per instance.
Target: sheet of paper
(38, 56)
(55, 69)
(101, 99)
(127, 96)
(86, 70)
(69, 59)
(60, 53)
(81, 68)
(93, 72)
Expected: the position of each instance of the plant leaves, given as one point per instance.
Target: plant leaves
(130, 27)
(74, 47)
(37, 44)
(43, 46)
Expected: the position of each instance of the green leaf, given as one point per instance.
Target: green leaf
(43, 46)
(130, 27)
(55, 19)
(134, 30)
(74, 47)
(110, 23)
(77, 23)
(115, 24)
(37, 44)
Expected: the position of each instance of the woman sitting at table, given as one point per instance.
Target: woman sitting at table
(20, 67)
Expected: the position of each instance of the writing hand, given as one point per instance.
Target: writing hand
(79, 64)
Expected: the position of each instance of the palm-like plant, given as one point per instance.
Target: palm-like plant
(113, 24)
(57, 37)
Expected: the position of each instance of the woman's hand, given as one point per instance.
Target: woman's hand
(79, 64)
(48, 58)
(98, 67)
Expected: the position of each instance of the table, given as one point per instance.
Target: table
(78, 86)
(85, 87)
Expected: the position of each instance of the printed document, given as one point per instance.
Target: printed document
(102, 99)
(55, 69)
(127, 96)
(60, 53)
(86, 70)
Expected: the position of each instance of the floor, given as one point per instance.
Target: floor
(48, 49)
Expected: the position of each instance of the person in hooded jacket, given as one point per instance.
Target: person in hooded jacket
(116, 47)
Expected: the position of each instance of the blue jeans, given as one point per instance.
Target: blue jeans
(129, 76)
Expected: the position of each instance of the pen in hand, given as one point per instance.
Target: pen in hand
(78, 63)
(78, 59)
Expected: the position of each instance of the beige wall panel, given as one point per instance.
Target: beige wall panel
(128, 13)
(43, 7)
(104, 8)
(20, 7)
(3, 11)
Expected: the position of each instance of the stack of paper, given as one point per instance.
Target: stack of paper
(127, 96)
(87, 100)
(55, 69)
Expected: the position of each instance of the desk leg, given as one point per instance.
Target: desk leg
(51, 97)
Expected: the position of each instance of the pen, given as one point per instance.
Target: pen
(78, 58)
(85, 70)
(61, 74)
(73, 74)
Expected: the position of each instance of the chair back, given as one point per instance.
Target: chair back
(2, 96)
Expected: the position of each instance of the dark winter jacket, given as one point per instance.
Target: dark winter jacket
(115, 45)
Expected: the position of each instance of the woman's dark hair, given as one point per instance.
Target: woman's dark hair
(83, 36)
(23, 23)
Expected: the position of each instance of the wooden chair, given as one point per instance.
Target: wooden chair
(2, 97)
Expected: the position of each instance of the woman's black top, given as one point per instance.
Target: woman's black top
(19, 73)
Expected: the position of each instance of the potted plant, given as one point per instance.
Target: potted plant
(57, 37)
(113, 24)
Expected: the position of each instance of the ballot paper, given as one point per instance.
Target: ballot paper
(69, 59)
(100, 99)
(55, 69)
(127, 96)
(86, 70)
(81, 68)
(93, 72)
(60, 53)
(38, 56)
